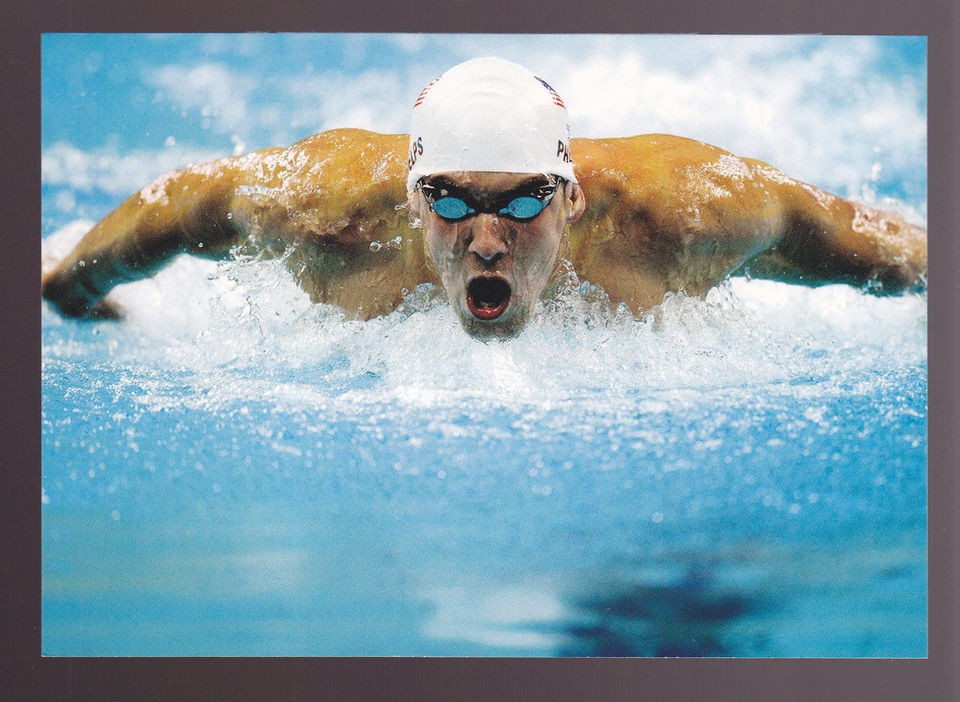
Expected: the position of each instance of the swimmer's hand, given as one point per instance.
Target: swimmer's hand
(72, 298)
(106, 310)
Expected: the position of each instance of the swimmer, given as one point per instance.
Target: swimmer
(490, 200)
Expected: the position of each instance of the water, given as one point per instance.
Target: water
(235, 471)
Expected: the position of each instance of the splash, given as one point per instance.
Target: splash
(242, 330)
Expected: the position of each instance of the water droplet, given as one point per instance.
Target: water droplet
(375, 246)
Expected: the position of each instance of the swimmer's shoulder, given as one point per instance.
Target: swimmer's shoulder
(662, 172)
(338, 159)
(648, 158)
(643, 173)
(363, 170)
(343, 186)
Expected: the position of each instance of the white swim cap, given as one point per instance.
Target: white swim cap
(488, 114)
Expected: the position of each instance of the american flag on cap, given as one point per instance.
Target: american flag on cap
(423, 93)
(557, 100)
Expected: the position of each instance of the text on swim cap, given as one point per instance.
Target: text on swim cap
(564, 152)
(416, 149)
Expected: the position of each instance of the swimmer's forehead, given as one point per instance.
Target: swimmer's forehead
(487, 181)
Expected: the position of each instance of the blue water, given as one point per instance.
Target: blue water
(745, 476)
(235, 471)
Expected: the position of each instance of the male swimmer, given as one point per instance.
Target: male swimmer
(500, 200)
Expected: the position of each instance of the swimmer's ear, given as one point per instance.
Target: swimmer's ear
(575, 201)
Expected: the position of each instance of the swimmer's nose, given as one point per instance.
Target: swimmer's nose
(487, 242)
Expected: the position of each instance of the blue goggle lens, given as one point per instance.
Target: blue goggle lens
(524, 207)
(452, 208)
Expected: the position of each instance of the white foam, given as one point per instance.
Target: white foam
(243, 331)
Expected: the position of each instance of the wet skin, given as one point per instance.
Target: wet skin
(494, 268)
(652, 214)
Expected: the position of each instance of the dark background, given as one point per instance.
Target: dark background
(24, 675)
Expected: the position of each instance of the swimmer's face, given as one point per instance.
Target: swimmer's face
(494, 267)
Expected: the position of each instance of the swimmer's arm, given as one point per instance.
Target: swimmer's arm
(185, 212)
(829, 239)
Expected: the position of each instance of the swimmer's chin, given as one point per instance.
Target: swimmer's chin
(501, 329)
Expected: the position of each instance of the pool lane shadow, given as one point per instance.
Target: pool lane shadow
(694, 616)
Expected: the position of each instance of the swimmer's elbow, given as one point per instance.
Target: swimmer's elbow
(896, 281)
(876, 250)
(907, 271)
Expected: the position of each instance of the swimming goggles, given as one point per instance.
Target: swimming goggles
(521, 204)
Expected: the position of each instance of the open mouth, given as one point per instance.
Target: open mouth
(487, 297)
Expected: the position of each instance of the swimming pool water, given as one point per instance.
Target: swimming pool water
(234, 471)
